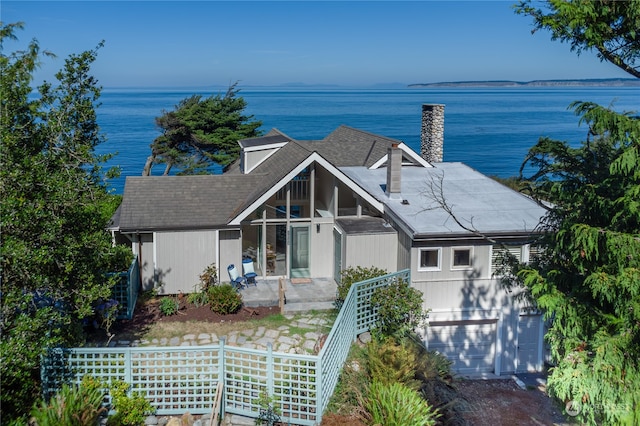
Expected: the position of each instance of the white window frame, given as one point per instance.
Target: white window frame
(438, 267)
(461, 267)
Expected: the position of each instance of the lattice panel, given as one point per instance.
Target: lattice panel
(295, 387)
(176, 379)
(245, 373)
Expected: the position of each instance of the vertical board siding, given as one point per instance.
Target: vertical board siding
(372, 250)
(180, 379)
(181, 257)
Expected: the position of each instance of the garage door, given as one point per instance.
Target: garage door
(529, 343)
(471, 345)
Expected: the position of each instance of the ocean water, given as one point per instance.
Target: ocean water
(489, 129)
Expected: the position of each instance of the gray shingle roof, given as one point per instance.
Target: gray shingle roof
(347, 146)
(183, 202)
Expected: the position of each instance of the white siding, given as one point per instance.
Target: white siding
(144, 248)
(181, 257)
(321, 251)
(480, 263)
(230, 252)
(367, 250)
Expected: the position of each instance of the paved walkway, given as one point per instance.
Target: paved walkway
(300, 336)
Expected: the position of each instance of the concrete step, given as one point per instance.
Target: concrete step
(309, 306)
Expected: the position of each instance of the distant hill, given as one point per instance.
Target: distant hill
(595, 82)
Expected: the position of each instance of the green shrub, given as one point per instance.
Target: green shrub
(73, 405)
(399, 309)
(169, 306)
(130, 410)
(199, 298)
(397, 405)
(391, 362)
(224, 299)
(208, 278)
(352, 275)
(269, 412)
(349, 396)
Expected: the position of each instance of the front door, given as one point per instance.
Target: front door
(299, 251)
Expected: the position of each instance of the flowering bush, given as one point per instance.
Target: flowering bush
(106, 313)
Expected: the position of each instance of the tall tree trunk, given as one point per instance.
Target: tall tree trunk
(147, 166)
(167, 169)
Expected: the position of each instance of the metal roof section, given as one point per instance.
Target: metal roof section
(478, 202)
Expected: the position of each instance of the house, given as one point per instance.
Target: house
(313, 208)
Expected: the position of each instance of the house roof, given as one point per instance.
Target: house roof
(480, 203)
(182, 202)
(356, 158)
(347, 146)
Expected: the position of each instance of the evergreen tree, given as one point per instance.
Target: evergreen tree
(199, 133)
(54, 213)
(587, 277)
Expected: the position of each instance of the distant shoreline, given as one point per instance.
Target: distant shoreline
(602, 82)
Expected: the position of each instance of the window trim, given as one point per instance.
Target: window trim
(461, 267)
(438, 267)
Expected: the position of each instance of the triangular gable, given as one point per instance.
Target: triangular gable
(313, 157)
(406, 152)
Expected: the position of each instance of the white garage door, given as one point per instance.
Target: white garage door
(471, 345)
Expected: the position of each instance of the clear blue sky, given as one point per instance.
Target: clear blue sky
(354, 43)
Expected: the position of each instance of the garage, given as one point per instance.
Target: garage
(469, 344)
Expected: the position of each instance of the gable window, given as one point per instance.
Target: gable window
(461, 257)
(430, 259)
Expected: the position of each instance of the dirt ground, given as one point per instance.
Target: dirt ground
(503, 402)
(484, 402)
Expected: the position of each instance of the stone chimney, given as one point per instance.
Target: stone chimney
(432, 133)
(394, 171)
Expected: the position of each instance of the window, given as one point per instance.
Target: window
(461, 257)
(430, 259)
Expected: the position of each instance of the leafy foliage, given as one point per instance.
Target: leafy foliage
(224, 299)
(588, 278)
(399, 308)
(609, 27)
(72, 406)
(55, 208)
(418, 369)
(208, 279)
(130, 410)
(169, 306)
(395, 404)
(269, 413)
(200, 132)
(390, 361)
(353, 275)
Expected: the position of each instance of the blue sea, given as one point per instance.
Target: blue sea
(490, 129)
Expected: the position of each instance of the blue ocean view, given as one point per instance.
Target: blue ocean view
(490, 129)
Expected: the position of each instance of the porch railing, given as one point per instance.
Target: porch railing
(181, 379)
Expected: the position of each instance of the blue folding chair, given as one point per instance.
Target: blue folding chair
(248, 271)
(236, 280)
